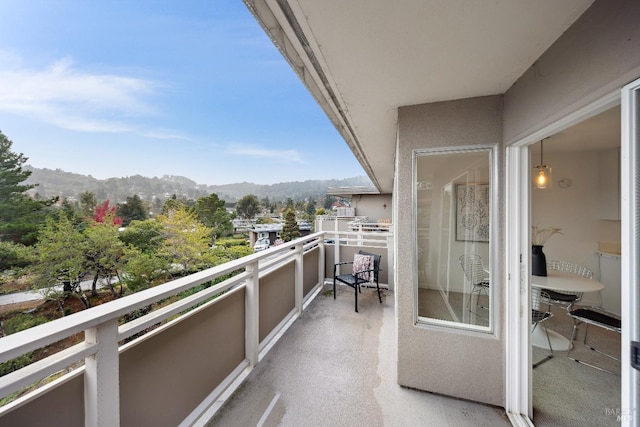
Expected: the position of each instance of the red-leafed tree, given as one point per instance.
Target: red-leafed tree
(105, 212)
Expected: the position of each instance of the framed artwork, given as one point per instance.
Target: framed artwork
(472, 212)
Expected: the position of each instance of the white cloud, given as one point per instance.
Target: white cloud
(285, 155)
(74, 99)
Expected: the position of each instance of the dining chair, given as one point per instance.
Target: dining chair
(540, 313)
(476, 274)
(600, 318)
(566, 299)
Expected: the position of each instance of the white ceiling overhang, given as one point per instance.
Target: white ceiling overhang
(362, 59)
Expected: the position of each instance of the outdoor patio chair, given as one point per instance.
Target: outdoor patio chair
(540, 313)
(476, 274)
(597, 317)
(561, 298)
(365, 270)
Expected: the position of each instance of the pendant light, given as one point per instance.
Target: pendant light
(542, 172)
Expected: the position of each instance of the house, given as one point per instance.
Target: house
(447, 106)
(272, 231)
(436, 97)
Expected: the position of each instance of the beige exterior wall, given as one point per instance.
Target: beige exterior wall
(444, 360)
(595, 56)
(373, 206)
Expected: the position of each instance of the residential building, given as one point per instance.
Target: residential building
(445, 105)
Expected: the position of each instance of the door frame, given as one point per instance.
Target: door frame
(519, 396)
(630, 245)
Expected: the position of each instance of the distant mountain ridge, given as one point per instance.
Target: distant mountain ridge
(70, 185)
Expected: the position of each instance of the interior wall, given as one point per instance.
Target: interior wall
(449, 361)
(595, 56)
(577, 210)
(574, 209)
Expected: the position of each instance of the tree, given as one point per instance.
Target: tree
(172, 205)
(20, 216)
(61, 260)
(248, 206)
(104, 253)
(211, 212)
(104, 213)
(88, 203)
(133, 209)
(289, 204)
(328, 202)
(290, 229)
(186, 240)
(311, 208)
(146, 236)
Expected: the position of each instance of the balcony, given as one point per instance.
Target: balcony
(272, 327)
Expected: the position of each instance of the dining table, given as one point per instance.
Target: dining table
(564, 282)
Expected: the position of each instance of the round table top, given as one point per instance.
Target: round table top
(562, 281)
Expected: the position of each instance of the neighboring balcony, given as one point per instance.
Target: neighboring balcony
(192, 351)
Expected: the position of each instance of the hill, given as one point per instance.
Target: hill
(69, 185)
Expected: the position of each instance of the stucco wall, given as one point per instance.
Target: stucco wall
(595, 56)
(446, 360)
(375, 207)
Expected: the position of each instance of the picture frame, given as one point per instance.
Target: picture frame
(472, 212)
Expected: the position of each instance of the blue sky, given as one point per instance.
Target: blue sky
(191, 88)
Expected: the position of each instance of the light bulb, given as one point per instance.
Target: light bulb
(541, 181)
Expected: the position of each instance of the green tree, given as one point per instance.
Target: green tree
(88, 203)
(14, 255)
(172, 204)
(329, 201)
(104, 253)
(290, 229)
(133, 209)
(311, 208)
(61, 260)
(20, 215)
(289, 204)
(248, 206)
(186, 240)
(146, 236)
(211, 212)
(144, 270)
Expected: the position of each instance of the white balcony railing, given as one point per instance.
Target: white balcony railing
(191, 352)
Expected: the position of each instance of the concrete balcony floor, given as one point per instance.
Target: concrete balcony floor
(335, 367)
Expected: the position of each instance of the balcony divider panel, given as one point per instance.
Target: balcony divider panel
(164, 377)
(62, 405)
(310, 271)
(277, 297)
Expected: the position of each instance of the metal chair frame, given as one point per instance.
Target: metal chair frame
(539, 299)
(565, 299)
(356, 279)
(477, 275)
(598, 317)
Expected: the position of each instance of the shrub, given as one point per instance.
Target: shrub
(22, 321)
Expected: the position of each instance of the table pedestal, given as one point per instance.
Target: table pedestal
(558, 341)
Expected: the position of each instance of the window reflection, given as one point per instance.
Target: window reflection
(452, 223)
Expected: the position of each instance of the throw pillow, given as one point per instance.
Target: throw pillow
(363, 264)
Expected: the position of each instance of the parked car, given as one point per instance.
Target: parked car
(261, 245)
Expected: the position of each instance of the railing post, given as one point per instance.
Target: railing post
(252, 314)
(299, 277)
(102, 377)
(321, 261)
